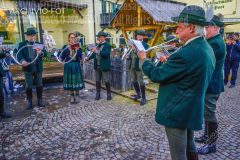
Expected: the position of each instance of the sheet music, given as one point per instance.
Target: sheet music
(138, 45)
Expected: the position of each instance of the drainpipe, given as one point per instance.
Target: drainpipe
(94, 21)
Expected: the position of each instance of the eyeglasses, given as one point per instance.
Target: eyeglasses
(72, 37)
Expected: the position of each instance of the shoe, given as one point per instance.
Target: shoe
(207, 149)
(77, 99)
(143, 92)
(204, 137)
(5, 115)
(201, 139)
(231, 86)
(108, 87)
(72, 100)
(40, 103)
(30, 104)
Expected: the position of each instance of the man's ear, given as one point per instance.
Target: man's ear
(192, 28)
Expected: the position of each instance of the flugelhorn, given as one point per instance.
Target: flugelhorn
(163, 46)
(128, 49)
(90, 47)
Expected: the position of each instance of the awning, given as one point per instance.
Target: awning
(28, 5)
(61, 4)
(162, 11)
(232, 28)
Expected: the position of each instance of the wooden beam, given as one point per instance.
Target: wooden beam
(158, 31)
(149, 27)
(139, 12)
(124, 34)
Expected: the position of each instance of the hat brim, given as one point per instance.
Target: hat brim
(212, 23)
(101, 35)
(27, 33)
(192, 20)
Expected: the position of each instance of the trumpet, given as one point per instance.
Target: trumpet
(165, 52)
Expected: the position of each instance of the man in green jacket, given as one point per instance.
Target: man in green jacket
(102, 64)
(183, 79)
(3, 114)
(33, 71)
(215, 87)
(136, 72)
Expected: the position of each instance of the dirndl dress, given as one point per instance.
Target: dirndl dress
(73, 77)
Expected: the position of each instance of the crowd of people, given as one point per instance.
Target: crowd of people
(191, 78)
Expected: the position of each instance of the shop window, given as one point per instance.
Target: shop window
(9, 27)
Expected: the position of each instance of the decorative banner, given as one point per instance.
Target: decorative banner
(225, 7)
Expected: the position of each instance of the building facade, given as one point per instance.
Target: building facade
(58, 18)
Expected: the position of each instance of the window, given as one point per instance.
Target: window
(9, 27)
(30, 20)
(109, 38)
(110, 7)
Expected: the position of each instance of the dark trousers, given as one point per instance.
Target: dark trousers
(1, 96)
(31, 77)
(228, 65)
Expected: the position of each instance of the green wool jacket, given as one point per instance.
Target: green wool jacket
(133, 58)
(24, 55)
(2, 72)
(184, 79)
(105, 51)
(216, 85)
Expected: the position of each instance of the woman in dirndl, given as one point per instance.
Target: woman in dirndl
(73, 77)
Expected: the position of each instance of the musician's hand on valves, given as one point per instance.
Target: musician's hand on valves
(163, 59)
(25, 63)
(133, 48)
(142, 55)
(94, 50)
(39, 51)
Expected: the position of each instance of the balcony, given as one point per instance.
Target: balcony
(106, 19)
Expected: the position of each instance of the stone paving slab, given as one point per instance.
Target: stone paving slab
(120, 129)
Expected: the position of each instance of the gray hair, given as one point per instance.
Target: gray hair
(199, 30)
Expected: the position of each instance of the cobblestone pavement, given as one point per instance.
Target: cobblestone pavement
(120, 129)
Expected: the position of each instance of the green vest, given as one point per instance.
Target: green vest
(216, 85)
(103, 61)
(25, 55)
(134, 60)
(183, 79)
